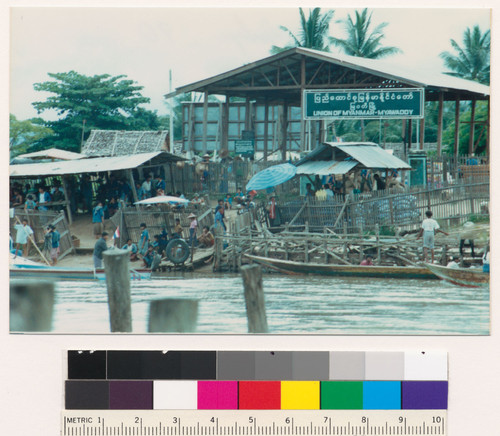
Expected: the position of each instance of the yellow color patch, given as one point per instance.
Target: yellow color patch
(300, 395)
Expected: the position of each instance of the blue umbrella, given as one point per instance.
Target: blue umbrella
(271, 176)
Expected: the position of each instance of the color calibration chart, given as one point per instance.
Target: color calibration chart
(255, 393)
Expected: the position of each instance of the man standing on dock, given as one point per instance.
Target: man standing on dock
(429, 228)
(55, 243)
(99, 248)
(98, 219)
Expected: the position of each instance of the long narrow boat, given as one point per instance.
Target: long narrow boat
(467, 277)
(291, 267)
(26, 269)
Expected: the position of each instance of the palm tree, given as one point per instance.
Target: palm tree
(472, 61)
(313, 32)
(361, 41)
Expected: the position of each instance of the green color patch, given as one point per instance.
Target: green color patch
(342, 395)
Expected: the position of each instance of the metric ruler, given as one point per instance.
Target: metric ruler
(253, 422)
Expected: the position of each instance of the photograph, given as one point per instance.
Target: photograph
(234, 171)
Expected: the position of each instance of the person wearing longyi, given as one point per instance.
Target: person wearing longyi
(55, 242)
(98, 219)
(143, 240)
(192, 229)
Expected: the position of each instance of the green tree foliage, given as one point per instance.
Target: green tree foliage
(472, 60)
(361, 41)
(24, 133)
(313, 31)
(480, 131)
(91, 102)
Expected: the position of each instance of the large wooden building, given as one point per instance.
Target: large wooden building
(271, 106)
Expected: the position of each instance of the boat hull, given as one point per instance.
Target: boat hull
(56, 273)
(466, 277)
(291, 267)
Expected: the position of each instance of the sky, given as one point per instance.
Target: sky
(195, 43)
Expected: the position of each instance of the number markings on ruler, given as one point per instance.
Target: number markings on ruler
(221, 423)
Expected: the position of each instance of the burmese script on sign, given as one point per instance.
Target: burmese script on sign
(364, 104)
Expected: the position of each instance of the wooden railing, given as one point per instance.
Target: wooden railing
(450, 204)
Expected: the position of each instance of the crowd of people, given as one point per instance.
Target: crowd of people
(103, 196)
(357, 182)
(37, 197)
(153, 248)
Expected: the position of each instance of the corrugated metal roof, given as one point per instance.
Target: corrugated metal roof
(371, 155)
(325, 168)
(52, 153)
(389, 69)
(90, 165)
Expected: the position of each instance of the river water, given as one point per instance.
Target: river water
(299, 304)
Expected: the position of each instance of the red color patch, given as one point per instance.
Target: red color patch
(260, 395)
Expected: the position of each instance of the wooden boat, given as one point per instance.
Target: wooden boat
(291, 267)
(467, 277)
(25, 269)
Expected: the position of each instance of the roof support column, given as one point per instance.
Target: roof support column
(205, 116)
(302, 103)
(440, 124)
(422, 133)
(488, 132)
(248, 123)
(284, 123)
(224, 126)
(472, 125)
(456, 145)
(66, 199)
(132, 185)
(191, 128)
(322, 137)
(266, 127)
(410, 133)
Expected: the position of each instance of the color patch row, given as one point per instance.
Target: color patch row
(257, 365)
(268, 395)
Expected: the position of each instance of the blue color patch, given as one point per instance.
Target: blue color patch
(381, 395)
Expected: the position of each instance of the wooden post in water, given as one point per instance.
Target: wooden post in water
(345, 239)
(116, 266)
(254, 299)
(377, 230)
(325, 245)
(31, 305)
(176, 315)
(218, 248)
(361, 248)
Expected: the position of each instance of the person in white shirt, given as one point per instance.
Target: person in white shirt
(454, 263)
(146, 187)
(24, 231)
(429, 228)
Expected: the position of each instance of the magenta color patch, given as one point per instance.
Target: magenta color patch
(218, 395)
